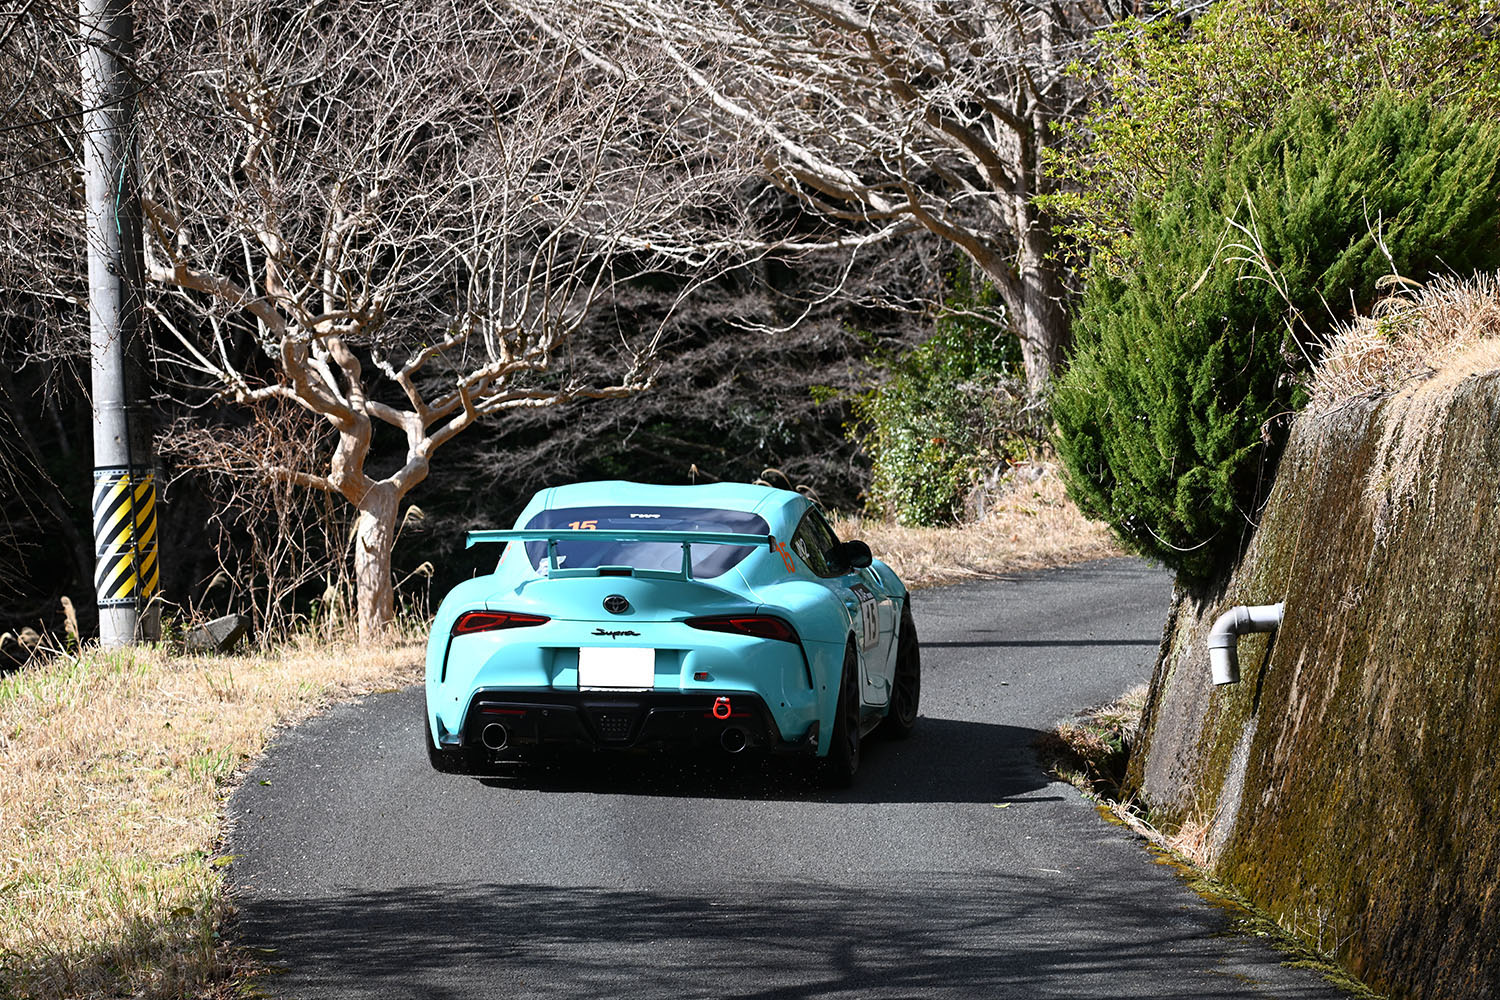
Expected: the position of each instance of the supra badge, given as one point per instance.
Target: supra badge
(614, 635)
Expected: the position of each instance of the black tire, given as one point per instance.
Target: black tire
(906, 686)
(837, 769)
(456, 761)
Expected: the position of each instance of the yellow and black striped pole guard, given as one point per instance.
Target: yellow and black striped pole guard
(126, 567)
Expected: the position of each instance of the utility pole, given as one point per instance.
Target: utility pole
(127, 571)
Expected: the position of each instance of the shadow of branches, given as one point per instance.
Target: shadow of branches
(944, 936)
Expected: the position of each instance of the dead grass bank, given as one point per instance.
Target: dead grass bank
(1443, 331)
(114, 768)
(1029, 524)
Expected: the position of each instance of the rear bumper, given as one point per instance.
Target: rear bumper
(628, 720)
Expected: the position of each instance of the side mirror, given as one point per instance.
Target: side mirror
(855, 554)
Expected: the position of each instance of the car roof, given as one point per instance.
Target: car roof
(725, 496)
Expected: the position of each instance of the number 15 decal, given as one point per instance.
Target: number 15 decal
(869, 623)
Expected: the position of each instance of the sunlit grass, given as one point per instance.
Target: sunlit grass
(1444, 331)
(114, 769)
(1090, 750)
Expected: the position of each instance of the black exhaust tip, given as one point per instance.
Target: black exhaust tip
(732, 740)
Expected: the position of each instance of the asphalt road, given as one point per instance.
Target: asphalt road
(953, 868)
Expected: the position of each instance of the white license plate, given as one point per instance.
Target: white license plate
(614, 667)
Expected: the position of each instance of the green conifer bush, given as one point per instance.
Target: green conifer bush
(1187, 359)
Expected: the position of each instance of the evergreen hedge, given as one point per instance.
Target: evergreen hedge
(1169, 417)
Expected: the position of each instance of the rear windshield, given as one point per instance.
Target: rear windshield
(708, 560)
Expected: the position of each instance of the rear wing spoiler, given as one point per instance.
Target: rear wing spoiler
(687, 539)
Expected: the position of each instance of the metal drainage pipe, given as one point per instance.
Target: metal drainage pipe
(494, 736)
(1223, 655)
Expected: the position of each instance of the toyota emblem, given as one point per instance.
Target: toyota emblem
(615, 604)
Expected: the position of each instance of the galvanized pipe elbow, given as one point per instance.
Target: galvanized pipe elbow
(1223, 638)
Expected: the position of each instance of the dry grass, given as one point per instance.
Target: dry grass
(1090, 750)
(1030, 524)
(1449, 327)
(114, 769)
(1420, 345)
(1192, 841)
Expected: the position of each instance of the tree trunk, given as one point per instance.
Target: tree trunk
(374, 536)
(1035, 307)
(1043, 324)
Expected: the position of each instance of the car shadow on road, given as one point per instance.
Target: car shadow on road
(931, 935)
(944, 760)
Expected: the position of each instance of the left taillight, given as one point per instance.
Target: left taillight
(489, 621)
(759, 626)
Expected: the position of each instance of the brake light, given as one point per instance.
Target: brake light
(488, 621)
(759, 626)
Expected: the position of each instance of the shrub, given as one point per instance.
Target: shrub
(945, 412)
(1169, 85)
(1184, 360)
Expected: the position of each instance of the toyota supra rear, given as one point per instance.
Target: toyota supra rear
(719, 619)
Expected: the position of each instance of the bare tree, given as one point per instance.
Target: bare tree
(41, 159)
(273, 537)
(396, 215)
(935, 115)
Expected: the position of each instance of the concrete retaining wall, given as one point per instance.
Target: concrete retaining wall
(1350, 783)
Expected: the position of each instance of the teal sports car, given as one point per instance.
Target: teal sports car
(722, 618)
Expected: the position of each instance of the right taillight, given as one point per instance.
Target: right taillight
(489, 621)
(759, 626)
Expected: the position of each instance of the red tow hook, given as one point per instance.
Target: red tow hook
(721, 707)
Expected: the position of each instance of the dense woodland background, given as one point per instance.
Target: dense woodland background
(732, 403)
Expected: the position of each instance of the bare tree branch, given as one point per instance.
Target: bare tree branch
(937, 114)
(406, 212)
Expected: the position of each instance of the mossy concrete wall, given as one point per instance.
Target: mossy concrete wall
(1350, 783)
